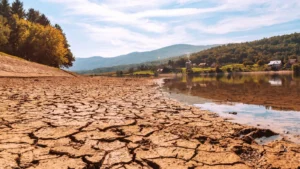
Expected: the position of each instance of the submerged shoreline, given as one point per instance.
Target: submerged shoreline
(122, 123)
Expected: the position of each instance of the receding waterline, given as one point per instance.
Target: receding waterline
(255, 115)
(247, 99)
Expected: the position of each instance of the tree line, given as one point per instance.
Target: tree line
(257, 52)
(30, 35)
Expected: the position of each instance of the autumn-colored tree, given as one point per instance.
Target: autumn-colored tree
(70, 57)
(33, 38)
(4, 32)
(17, 8)
(45, 45)
(19, 33)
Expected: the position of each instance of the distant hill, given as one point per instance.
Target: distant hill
(136, 57)
(12, 66)
(262, 51)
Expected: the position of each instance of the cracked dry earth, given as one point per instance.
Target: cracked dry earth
(75, 123)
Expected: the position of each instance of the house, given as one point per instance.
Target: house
(275, 64)
(202, 65)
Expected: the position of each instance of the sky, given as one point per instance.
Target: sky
(110, 28)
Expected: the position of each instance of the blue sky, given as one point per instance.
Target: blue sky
(113, 27)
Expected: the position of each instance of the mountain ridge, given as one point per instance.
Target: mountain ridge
(136, 57)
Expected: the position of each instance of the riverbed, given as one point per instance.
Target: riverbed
(100, 122)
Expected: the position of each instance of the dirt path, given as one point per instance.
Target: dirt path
(94, 123)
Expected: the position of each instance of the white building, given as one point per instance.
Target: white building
(275, 64)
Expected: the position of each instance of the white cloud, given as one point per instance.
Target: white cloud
(123, 26)
(278, 14)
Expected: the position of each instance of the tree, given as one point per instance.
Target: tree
(17, 8)
(18, 36)
(4, 32)
(43, 20)
(260, 63)
(70, 57)
(33, 15)
(296, 69)
(57, 26)
(5, 9)
(131, 70)
(45, 45)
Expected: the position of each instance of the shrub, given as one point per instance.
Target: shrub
(260, 63)
(119, 73)
(248, 63)
(218, 70)
(166, 70)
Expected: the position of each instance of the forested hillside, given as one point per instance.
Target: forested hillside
(261, 51)
(30, 35)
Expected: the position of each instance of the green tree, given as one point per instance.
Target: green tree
(17, 8)
(43, 20)
(5, 9)
(33, 15)
(260, 63)
(296, 69)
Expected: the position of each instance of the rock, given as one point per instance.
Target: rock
(233, 113)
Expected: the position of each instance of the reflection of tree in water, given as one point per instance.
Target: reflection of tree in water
(189, 83)
(250, 89)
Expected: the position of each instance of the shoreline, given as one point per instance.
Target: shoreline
(122, 122)
(295, 138)
(168, 75)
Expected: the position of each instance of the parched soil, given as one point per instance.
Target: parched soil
(125, 123)
(11, 66)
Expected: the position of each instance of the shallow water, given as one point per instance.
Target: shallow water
(262, 100)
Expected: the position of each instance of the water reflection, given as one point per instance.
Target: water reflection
(281, 92)
(263, 100)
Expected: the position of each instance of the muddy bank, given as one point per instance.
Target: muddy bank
(122, 123)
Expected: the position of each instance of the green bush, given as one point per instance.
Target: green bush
(260, 63)
(119, 73)
(248, 63)
(218, 70)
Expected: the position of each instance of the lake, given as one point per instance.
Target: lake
(262, 100)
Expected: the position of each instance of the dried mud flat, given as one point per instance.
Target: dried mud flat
(95, 123)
